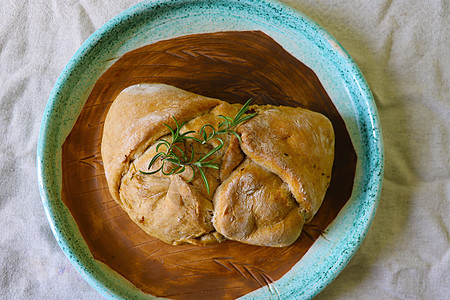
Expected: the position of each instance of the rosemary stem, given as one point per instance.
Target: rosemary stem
(178, 137)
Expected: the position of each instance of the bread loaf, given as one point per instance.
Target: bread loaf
(268, 184)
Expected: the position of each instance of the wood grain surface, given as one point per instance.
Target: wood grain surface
(231, 66)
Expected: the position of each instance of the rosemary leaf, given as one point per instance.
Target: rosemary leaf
(202, 173)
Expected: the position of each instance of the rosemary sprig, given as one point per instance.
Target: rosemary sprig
(178, 159)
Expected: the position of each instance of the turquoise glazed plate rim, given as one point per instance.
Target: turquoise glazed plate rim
(152, 21)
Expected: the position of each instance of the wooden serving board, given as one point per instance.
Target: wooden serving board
(231, 66)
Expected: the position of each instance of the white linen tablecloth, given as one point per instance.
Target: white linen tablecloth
(402, 48)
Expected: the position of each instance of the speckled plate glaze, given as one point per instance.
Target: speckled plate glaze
(152, 21)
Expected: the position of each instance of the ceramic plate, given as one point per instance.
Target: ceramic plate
(153, 21)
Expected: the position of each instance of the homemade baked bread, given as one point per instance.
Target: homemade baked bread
(268, 183)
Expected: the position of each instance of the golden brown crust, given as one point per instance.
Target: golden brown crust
(299, 148)
(255, 206)
(136, 120)
(288, 158)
